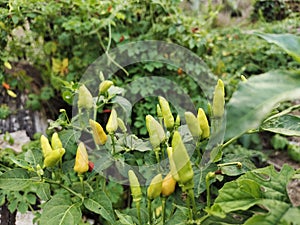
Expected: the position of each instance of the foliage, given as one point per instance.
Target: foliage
(270, 10)
(217, 182)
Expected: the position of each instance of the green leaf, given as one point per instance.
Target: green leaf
(43, 191)
(99, 203)
(288, 42)
(60, 210)
(15, 180)
(288, 125)
(255, 98)
(265, 188)
(124, 219)
(34, 157)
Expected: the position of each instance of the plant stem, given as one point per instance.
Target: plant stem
(188, 204)
(112, 135)
(138, 208)
(163, 204)
(192, 198)
(65, 187)
(149, 211)
(82, 183)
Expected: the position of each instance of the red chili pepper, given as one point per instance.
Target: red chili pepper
(106, 111)
(5, 85)
(179, 71)
(91, 166)
(109, 8)
(121, 38)
(195, 29)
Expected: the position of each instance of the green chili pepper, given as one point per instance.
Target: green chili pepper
(154, 190)
(193, 124)
(166, 112)
(45, 145)
(54, 157)
(104, 86)
(158, 111)
(85, 98)
(121, 124)
(135, 187)
(202, 120)
(156, 132)
(182, 163)
(99, 134)
(112, 123)
(56, 142)
(81, 160)
(177, 121)
(219, 99)
(172, 165)
(168, 185)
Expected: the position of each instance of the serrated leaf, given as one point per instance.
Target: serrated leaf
(288, 125)
(15, 180)
(254, 99)
(265, 188)
(60, 210)
(288, 42)
(99, 203)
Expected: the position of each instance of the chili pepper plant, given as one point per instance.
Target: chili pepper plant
(183, 173)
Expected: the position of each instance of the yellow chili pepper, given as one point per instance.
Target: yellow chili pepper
(81, 160)
(56, 142)
(156, 132)
(168, 185)
(219, 99)
(154, 189)
(45, 145)
(193, 124)
(135, 187)
(182, 163)
(202, 120)
(85, 98)
(104, 86)
(99, 134)
(166, 112)
(54, 157)
(112, 123)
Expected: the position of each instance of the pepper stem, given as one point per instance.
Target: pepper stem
(112, 135)
(82, 183)
(163, 205)
(138, 209)
(149, 211)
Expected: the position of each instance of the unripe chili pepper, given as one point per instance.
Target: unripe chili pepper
(202, 120)
(156, 132)
(104, 86)
(54, 157)
(173, 170)
(158, 111)
(56, 142)
(168, 185)
(193, 124)
(81, 160)
(99, 134)
(121, 125)
(219, 99)
(135, 187)
(166, 112)
(85, 98)
(45, 145)
(177, 121)
(182, 163)
(154, 189)
(112, 123)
